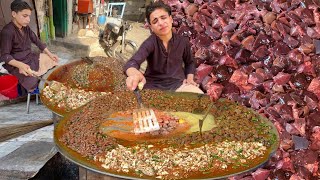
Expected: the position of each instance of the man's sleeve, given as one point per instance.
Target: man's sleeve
(6, 46)
(189, 63)
(140, 56)
(36, 40)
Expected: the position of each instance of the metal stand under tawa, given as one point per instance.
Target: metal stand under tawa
(56, 118)
(85, 174)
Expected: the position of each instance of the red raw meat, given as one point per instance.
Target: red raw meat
(315, 139)
(314, 87)
(265, 55)
(282, 78)
(228, 61)
(202, 71)
(239, 78)
(214, 91)
(296, 177)
(300, 125)
(260, 174)
(285, 164)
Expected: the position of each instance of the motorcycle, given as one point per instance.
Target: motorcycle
(113, 39)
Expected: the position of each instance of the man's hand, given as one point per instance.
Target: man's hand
(51, 55)
(133, 81)
(190, 80)
(54, 57)
(134, 78)
(25, 69)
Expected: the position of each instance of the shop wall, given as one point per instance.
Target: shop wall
(5, 14)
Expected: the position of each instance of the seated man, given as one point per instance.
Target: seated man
(170, 62)
(16, 38)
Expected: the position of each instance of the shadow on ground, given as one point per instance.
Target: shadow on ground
(58, 167)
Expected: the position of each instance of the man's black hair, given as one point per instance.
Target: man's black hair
(19, 5)
(154, 6)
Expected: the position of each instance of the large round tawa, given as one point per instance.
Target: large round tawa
(78, 136)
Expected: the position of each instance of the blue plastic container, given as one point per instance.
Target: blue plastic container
(101, 20)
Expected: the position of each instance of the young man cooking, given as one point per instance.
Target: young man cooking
(16, 38)
(170, 61)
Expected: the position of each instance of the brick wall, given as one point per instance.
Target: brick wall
(134, 10)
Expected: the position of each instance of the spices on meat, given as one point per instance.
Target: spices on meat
(166, 162)
(69, 98)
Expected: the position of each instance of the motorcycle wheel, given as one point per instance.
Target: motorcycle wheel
(130, 48)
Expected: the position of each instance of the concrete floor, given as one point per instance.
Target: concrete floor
(38, 142)
(85, 43)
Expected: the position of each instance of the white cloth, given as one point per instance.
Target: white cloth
(2, 69)
(189, 88)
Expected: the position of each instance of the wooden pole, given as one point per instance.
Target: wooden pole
(51, 25)
(70, 16)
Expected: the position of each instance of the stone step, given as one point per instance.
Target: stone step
(26, 161)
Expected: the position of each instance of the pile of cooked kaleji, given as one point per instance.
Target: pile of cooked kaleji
(264, 54)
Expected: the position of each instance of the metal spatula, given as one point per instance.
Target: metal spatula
(34, 74)
(55, 85)
(144, 119)
(200, 127)
(87, 59)
(204, 117)
(44, 80)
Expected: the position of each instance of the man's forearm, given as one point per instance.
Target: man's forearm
(23, 68)
(15, 63)
(46, 50)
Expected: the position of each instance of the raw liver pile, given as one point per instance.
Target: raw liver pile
(266, 55)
